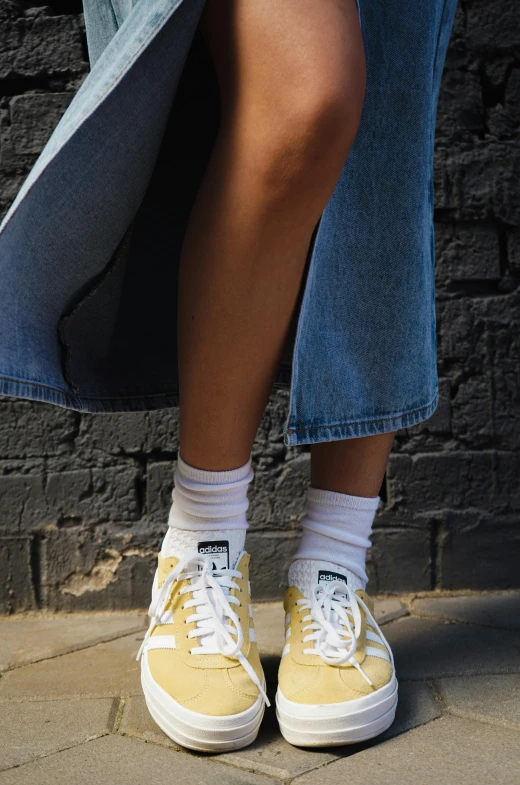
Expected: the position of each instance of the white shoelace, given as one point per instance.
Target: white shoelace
(335, 624)
(216, 621)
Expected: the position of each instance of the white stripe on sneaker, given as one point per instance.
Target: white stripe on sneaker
(161, 642)
(371, 636)
(373, 652)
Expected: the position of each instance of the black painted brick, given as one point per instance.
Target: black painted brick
(16, 586)
(84, 498)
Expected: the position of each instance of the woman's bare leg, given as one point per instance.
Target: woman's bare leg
(292, 77)
(353, 466)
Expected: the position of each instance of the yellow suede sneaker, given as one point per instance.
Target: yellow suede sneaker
(200, 668)
(336, 682)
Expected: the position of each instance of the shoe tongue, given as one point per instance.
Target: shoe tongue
(222, 548)
(306, 573)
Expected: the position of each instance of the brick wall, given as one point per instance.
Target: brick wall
(84, 499)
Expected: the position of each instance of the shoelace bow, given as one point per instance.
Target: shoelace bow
(335, 624)
(216, 621)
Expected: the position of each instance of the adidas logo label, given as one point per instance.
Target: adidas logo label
(327, 576)
(217, 551)
(213, 549)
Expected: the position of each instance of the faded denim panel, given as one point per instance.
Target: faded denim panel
(82, 194)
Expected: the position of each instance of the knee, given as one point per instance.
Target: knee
(331, 109)
(309, 134)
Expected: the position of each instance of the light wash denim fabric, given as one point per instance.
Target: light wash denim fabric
(89, 250)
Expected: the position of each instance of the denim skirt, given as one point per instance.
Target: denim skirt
(89, 249)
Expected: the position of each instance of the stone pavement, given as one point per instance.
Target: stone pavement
(71, 710)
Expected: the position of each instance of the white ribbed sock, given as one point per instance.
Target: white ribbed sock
(208, 513)
(336, 531)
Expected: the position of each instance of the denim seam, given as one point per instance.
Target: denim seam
(363, 422)
(135, 396)
(433, 116)
(16, 380)
(68, 394)
(438, 40)
(362, 428)
(94, 109)
(114, 15)
(41, 394)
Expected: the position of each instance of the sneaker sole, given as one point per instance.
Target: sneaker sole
(327, 725)
(199, 732)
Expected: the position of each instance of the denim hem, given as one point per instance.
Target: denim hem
(349, 430)
(35, 391)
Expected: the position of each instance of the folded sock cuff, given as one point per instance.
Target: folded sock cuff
(340, 535)
(207, 500)
(342, 500)
(203, 476)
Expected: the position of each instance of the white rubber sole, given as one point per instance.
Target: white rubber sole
(326, 725)
(199, 732)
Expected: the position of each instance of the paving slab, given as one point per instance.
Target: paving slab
(426, 649)
(416, 706)
(270, 754)
(25, 640)
(448, 751)
(386, 610)
(486, 698)
(492, 610)
(117, 760)
(108, 669)
(137, 722)
(269, 626)
(30, 730)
